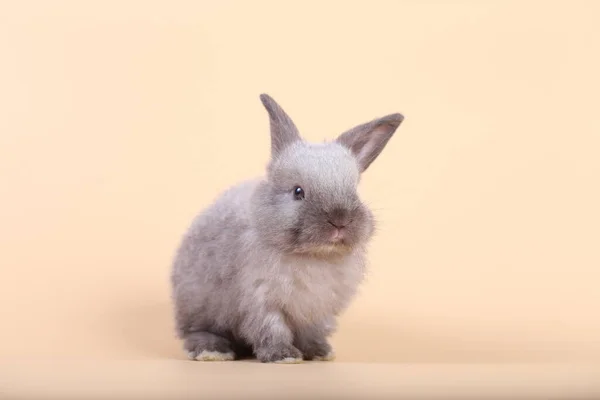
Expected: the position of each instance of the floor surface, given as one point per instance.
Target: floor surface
(174, 379)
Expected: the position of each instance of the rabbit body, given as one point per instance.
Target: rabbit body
(267, 268)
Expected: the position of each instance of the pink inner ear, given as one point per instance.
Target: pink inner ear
(376, 136)
(368, 140)
(367, 150)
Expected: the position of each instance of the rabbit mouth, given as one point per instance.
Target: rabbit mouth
(338, 235)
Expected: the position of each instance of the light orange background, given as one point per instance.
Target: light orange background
(119, 121)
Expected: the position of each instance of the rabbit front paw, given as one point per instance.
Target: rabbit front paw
(317, 350)
(282, 354)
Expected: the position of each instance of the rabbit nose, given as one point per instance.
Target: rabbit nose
(339, 217)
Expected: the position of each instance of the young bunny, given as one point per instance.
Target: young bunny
(269, 266)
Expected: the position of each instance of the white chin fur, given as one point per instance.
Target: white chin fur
(211, 356)
(325, 249)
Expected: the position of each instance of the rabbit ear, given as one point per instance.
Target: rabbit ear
(366, 141)
(283, 130)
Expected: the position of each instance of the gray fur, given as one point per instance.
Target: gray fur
(261, 273)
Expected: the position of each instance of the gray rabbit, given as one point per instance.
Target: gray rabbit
(268, 267)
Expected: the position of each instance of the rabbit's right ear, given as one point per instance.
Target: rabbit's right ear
(283, 130)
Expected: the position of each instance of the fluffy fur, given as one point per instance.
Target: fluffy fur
(264, 271)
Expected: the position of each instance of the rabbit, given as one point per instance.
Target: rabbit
(265, 271)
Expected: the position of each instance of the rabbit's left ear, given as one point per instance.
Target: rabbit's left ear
(366, 141)
(283, 129)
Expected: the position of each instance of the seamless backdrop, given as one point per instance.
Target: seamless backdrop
(119, 121)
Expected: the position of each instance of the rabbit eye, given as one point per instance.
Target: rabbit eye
(298, 193)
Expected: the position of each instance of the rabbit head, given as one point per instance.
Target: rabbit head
(308, 202)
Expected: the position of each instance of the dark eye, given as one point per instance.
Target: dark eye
(298, 193)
